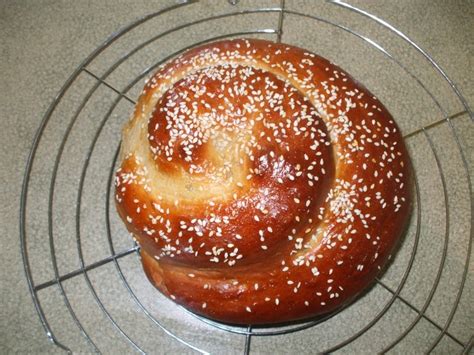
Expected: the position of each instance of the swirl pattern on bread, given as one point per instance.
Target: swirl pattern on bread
(262, 182)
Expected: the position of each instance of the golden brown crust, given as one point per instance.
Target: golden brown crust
(262, 182)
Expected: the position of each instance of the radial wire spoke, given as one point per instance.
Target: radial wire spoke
(102, 81)
(247, 340)
(89, 267)
(403, 300)
(434, 124)
(280, 20)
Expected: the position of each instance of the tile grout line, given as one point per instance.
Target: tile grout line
(434, 124)
(468, 346)
(418, 311)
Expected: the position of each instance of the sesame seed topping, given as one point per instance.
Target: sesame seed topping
(247, 130)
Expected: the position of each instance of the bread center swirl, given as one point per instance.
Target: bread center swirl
(236, 139)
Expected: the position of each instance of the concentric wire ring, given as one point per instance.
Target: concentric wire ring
(123, 94)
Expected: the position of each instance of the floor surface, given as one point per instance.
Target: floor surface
(420, 304)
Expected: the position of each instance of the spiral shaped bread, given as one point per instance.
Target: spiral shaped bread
(262, 182)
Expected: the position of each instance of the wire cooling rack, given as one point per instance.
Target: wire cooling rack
(68, 250)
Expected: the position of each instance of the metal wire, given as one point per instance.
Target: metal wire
(280, 20)
(106, 117)
(27, 175)
(123, 95)
(119, 270)
(445, 246)
(463, 158)
(443, 257)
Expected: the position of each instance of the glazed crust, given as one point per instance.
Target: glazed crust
(262, 182)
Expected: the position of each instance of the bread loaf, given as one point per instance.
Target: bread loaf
(262, 182)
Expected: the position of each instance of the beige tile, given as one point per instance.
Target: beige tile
(435, 278)
(42, 44)
(330, 333)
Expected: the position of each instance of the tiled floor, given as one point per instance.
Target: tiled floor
(42, 44)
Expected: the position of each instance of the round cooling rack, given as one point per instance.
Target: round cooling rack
(83, 272)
